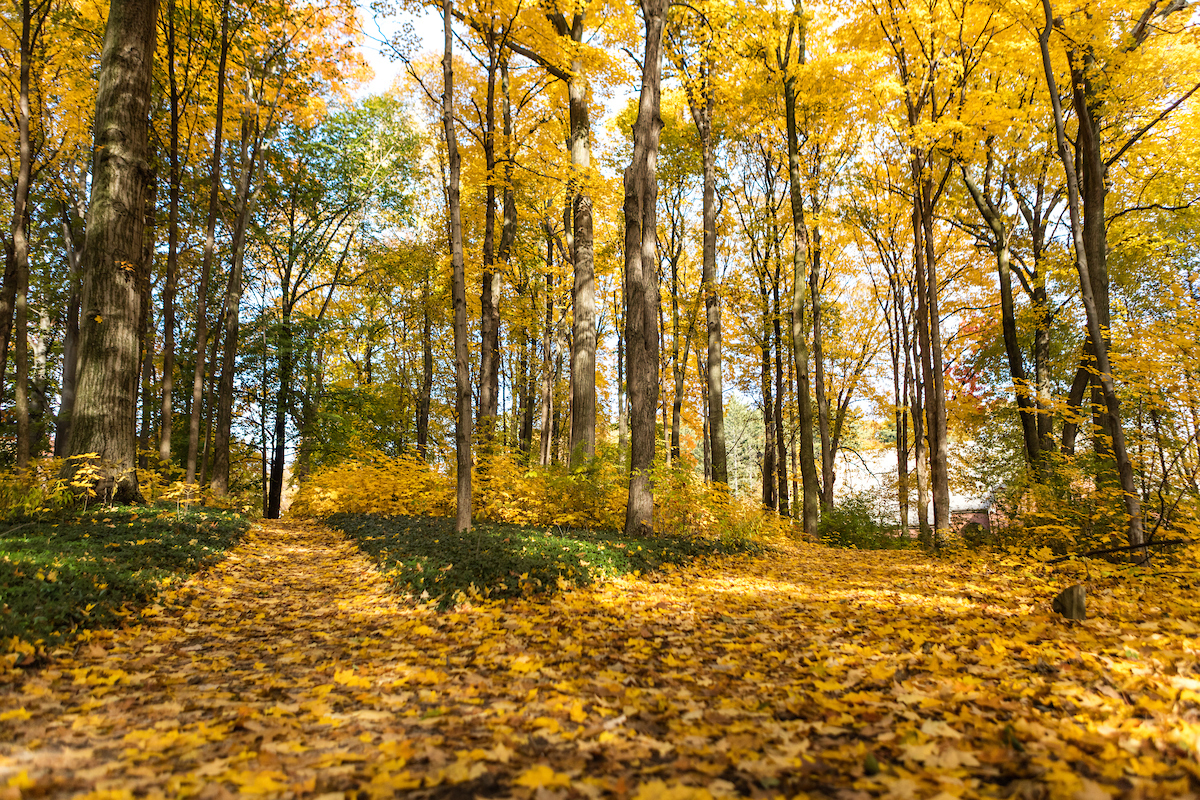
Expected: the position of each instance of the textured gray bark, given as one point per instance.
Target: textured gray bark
(108, 371)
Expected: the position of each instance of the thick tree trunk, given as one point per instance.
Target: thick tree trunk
(583, 327)
(641, 275)
(210, 228)
(935, 404)
(108, 369)
(462, 355)
(800, 270)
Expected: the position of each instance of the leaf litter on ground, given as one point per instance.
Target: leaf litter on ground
(293, 669)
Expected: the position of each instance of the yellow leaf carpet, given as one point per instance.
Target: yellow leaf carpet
(291, 669)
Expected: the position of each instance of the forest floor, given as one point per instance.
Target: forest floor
(291, 668)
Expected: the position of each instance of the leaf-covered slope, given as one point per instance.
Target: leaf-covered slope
(292, 668)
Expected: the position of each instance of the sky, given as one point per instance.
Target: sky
(428, 30)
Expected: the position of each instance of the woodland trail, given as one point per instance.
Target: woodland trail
(291, 669)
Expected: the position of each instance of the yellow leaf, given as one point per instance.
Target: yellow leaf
(16, 713)
(540, 776)
(658, 790)
(21, 780)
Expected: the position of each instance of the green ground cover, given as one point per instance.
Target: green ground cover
(425, 557)
(86, 570)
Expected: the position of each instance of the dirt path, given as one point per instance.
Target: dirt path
(290, 669)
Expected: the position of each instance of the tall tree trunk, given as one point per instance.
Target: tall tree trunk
(547, 398)
(462, 354)
(641, 275)
(70, 363)
(935, 393)
(426, 374)
(489, 294)
(1092, 303)
(1026, 401)
(166, 412)
(702, 115)
(33, 16)
(108, 369)
(769, 486)
(210, 229)
(252, 135)
(583, 293)
(823, 422)
(781, 450)
(282, 405)
(800, 267)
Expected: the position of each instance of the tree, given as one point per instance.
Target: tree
(462, 404)
(102, 429)
(641, 275)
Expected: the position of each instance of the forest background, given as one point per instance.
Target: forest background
(958, 232)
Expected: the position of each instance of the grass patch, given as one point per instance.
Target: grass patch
(425, 557)
(79, 571)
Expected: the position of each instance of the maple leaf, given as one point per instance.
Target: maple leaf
(542, 776)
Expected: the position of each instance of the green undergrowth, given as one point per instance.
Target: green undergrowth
(90, 569)
(425, 557)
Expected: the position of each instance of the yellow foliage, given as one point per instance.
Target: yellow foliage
(376, 484)
(592, 496)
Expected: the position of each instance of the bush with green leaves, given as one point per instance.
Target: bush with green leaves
(854, 523)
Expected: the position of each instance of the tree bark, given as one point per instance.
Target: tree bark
(702, 115)
(800, 267)
(489, 294)
(166, 412)
(641, 275)
(462, 404)
(210, 227)
(1091, 303)
(424, 399)
(108, 372)
(252, 136)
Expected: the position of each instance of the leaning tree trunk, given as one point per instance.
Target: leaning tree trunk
(108, 371)
(641, 276)
(462, 354)
(1091, 303)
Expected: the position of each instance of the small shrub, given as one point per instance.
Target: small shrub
(852, 523)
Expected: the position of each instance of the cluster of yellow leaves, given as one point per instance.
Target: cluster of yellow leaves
(376, 484)
(291, 669)
(506, 491)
